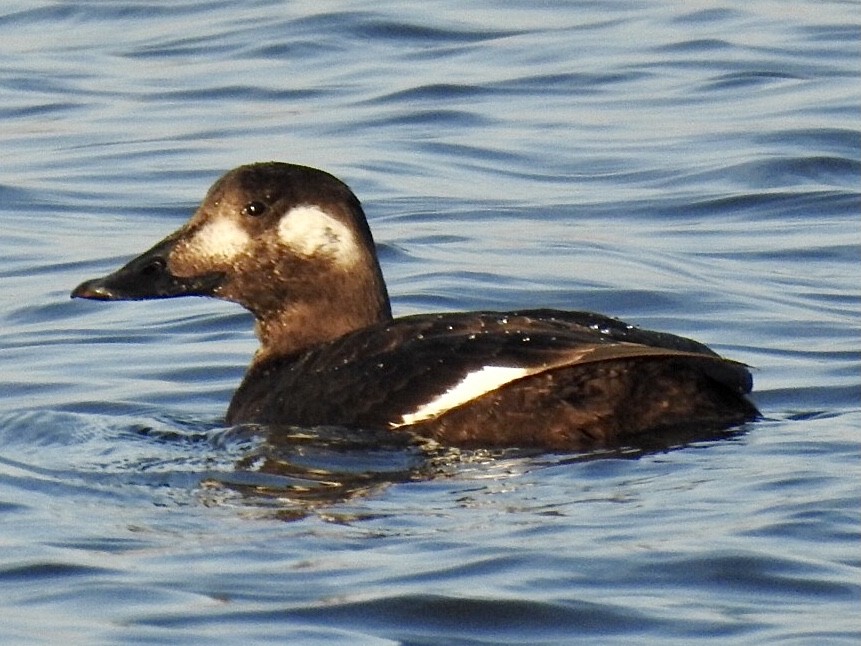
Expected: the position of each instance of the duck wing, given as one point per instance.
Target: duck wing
(445, 374)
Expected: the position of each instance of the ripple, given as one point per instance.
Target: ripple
(688, 168)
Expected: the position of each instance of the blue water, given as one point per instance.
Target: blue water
(689, 167)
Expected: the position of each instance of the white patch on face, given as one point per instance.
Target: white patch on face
(472, 386)
(308, 231)
(220, 238)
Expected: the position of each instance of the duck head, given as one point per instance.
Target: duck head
(289, 243)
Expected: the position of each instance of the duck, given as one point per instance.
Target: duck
(291, 244)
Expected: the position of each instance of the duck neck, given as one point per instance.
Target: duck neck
(301, 326)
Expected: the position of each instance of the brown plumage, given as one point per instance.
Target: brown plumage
(291, 244)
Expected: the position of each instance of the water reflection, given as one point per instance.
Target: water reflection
(326, 465)
(296, 471)
(278, 471)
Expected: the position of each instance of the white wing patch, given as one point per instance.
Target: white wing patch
(220, 238)
(473, 385)
(308, 231)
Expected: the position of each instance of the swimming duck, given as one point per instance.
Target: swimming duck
(291, 244)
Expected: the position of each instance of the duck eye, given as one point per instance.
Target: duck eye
(254, 209)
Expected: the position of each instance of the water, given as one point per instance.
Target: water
(691, 167)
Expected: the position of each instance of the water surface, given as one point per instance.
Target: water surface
(689, 167)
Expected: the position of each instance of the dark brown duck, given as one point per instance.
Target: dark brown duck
(291, 244)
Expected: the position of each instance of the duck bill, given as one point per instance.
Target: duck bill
(148, 277)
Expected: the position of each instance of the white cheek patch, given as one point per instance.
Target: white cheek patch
(473, 385)
(220, 239)
(310, 231)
